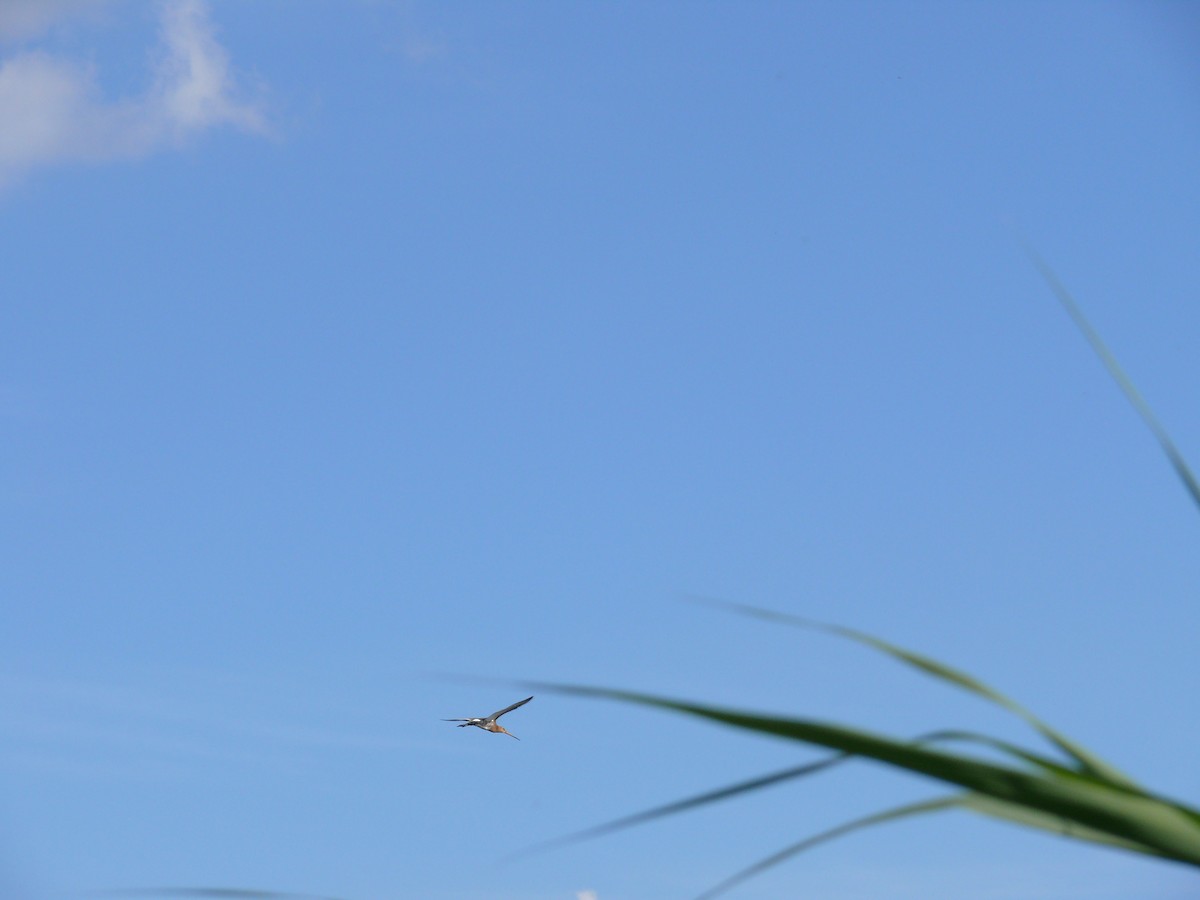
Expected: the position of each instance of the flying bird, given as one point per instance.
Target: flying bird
(489, 723)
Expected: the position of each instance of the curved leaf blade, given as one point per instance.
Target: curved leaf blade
(999, 809)
(1087, 760)
(974, 802)
(698, 800)
(1139, 819)
(1114, 369)
(900, 812)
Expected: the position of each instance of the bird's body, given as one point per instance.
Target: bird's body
(489, 723)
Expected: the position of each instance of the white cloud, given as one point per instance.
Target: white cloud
(52, 110)
(195, 84)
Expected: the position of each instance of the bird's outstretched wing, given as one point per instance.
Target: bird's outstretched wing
(494, 716)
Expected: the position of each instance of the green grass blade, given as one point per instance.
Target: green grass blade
(1120, 812)
(1114, 369)
(1087, 760)
(900, 812)
(982, 805)
(730, 791)
(1056, 769)
(1047, 765)
(999, 809)
(688, 803)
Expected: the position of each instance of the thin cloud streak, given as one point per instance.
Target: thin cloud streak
(194, 88)
(75, 728)
(25, 19)
(52, 111)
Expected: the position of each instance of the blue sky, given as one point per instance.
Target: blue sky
(347, 343)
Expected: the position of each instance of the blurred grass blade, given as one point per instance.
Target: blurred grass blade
(1047, 765)
(698, 800)
(1119, 811)
(900, 812)
(1050, 767)
(1114, 369)
(1086, 759)
(998, 809)
(779, 777)
(987, 806)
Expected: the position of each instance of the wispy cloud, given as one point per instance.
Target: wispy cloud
(55, 726)
(419, 49)
(24, 19)
(194, 88)
(52, 110)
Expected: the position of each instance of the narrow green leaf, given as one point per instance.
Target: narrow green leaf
(1122, 813)
(1050, 767)
(1086, 759)
(698, 800)
(900, 812)
(774, 778)
(977, 803)
(1047, 765)
(1114, 369)
(999, 809)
